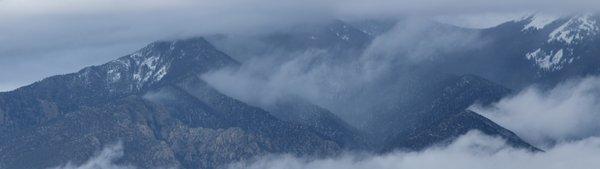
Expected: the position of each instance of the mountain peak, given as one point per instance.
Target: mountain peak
(179, 44)
(560, 38)
(576, 28)
(539, 21)
(164, 59)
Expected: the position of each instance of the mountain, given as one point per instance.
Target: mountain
(442, 115)
(336, 38)
(405, 103)
(154, 103)
(375, 27)
(540, 48)
(567, 47)
(300, 111)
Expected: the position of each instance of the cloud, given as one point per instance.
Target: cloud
(104, 160)
(349, 86)
(568, 111)
(472, 150)
(75, 33)
(263, 80)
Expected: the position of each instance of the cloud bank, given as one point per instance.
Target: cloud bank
(46, 37)
(103, 160)
(472, 150)
(349, 85)
(566, 112)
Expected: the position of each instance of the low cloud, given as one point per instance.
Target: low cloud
(472, 150)
(76, 33)
(569, 111)
(106, 159)
(350, 86)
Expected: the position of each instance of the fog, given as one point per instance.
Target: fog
(47, 37)
(350, 85)
(472, 150)
(105, 159)
(569, 111)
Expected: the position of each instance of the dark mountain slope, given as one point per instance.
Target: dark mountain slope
(515, 54)
(152, 101)
(413, 97)
(321, 120)
(439, 114)
(449, 128)
(131, 74)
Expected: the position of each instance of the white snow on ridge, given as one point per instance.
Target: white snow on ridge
(539, 21)
(146, 68)
(547, 61)
(577, 28)
(150, 70)
(573, 30)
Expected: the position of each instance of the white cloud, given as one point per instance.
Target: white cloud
(568, 111)
(350, 86)
(104, 160)
(32, 28)
(473, 150)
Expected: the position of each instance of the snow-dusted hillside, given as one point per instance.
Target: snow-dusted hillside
(564, 36)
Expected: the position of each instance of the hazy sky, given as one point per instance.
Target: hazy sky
(45, 37)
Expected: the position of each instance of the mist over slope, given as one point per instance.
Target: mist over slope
(299, 85)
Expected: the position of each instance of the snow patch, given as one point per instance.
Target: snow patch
(539, 21)
(114, 75)
(345, 37)
(548, 60)
(160, 74)
(148, 69)
(574, 30)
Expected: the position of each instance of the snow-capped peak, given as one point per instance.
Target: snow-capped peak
(148, 65)
(141, 68)
(539, 21)
(560, 49)
(163, 59)
(575, 29)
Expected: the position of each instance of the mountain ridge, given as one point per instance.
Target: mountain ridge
(214, 128)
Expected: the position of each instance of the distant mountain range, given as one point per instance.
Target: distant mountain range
(155, 101)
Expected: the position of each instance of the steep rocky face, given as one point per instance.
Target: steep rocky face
(131, 74)
(153, 137)
(153, 102)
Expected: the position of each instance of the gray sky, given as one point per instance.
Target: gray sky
(46, 37)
